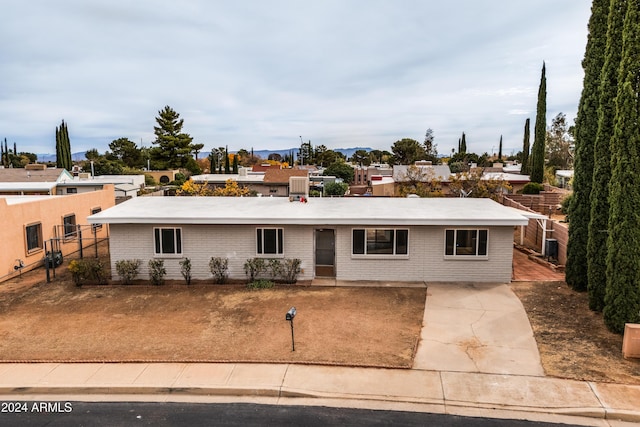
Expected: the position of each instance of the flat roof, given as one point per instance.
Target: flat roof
(317, 211)
(27, 186)
(16, 200)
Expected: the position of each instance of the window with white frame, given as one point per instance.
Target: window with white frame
(167, 241)
(380, 241)
(466, 243)
(33, 234)
(69, 225)
(269, 241)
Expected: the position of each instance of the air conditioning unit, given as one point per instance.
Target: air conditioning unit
(298, 188)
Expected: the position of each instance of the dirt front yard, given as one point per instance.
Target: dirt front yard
(345, 326)
(573, 340)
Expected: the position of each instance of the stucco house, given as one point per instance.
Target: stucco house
(365, 238)
(29, 221)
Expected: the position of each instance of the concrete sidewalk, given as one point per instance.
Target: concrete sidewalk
(524, 397)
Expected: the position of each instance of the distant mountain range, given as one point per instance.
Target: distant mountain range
(348, 152)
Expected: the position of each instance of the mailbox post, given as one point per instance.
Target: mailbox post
(289, 316)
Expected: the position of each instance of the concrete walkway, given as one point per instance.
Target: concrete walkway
(481, 328)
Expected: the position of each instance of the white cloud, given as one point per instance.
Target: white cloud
(254, 73)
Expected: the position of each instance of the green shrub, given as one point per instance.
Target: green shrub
(254, 267)
(128, 269)
(260, 284)
(78, 270)
(220, 269)
(274, 267)
(290, 269)
(91, 269)
(532, 188)
(157, 271)
(185, 270)
(566, 202)
(97, 270)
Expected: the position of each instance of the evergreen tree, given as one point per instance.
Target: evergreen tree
(500, 150)
(463, 144)
(599, 197)
(58, 149)
(540, 131)
(213, 158)
(430, 148)
(234, 167)
(173, 147)
(63, 147)
(524, 168)
(227, 166)
(622, 298)
(68, 163)
(585, 134)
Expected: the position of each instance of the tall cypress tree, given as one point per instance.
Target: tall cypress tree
(68, 163)
(463, 144)
(540, 131)
(585, 135)
(58, 149)
(234, 166)
(599, 198)
(227, 166)
(524, 169)
(500, 150)
(622, 298)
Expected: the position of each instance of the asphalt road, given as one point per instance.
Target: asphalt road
(237, 414)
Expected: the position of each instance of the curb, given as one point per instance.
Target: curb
(279, 392)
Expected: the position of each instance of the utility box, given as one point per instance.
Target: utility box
(631, 341)
(551, 248)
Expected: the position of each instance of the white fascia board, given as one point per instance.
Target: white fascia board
(312, 221)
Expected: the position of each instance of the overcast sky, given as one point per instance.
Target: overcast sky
(263, 73)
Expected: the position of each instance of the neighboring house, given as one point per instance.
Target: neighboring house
(253, 181)
(33, 179)
(163, 177)
(30, 221)
(126, 186)
(364, 238)
(362, 174)
(382, 186)
(516, 181)
(564, 178)
(437, 176)
(276, 181)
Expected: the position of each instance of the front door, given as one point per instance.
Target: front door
(325, 253)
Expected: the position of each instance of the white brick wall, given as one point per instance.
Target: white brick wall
(200, 243)
(426, 260)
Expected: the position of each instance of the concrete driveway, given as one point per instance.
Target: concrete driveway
(476, 328)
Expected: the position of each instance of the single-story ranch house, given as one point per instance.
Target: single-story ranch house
(377, 239)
